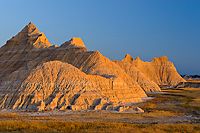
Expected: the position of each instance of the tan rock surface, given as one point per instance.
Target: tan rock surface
(59, 85)
(29, 38)
(38, 76)
(145, 83)
(75, 42)
(55, 84)
(34, 75)
(160, 70)
(14, 54)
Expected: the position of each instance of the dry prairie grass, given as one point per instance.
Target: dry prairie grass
(190, 97)
(35, 126)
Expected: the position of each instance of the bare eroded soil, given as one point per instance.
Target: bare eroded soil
(174, 106)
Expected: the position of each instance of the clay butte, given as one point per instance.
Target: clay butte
(35, 75)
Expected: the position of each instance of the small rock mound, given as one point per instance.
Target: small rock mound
(128, 58)
(75, 42)
(163, 58)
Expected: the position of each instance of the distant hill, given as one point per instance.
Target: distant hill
(191, 77)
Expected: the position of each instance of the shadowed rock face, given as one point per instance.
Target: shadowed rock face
(34, 75)
(160, 70)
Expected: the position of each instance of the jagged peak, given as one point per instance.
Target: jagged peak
(137, 58)
(128, 58)
(28, 38)
(31, 24)
(30, 28)
(75, 42)
(163, 58)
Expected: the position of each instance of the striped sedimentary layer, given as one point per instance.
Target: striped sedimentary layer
(34, 75)
(159, 70)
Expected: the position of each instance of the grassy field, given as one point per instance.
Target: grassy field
(177, 110)
(35, 126)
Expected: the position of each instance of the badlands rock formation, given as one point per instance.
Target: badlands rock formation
(160, 70)
(73, 43)
(34, 75)
(145, 83)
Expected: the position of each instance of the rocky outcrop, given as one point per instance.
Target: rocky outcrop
(22, 48)
(160, 70)
(73, 43)
(54, 83)
(34, 75)
(29, 38)
(145, 83)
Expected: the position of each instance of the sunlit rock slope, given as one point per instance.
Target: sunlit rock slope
(160, 70)
(34, 75)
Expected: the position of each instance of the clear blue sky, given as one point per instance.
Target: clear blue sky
(144, 28)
